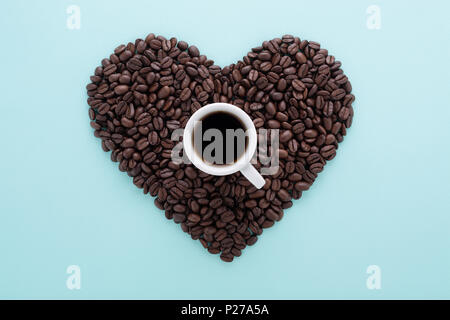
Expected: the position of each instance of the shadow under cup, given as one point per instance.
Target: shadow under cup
(219, 138)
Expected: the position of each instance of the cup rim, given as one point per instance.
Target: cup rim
(220, 170)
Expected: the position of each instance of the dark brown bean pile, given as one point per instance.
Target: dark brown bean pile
(148, 88)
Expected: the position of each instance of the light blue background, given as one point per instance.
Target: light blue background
(384, 200)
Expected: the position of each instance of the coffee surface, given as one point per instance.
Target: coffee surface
(229, 136)
(148, 88)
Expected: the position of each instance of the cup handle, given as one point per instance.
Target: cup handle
(253, 176)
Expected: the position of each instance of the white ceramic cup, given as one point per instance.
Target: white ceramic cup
(243, 163)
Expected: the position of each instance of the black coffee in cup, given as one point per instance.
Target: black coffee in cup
(219, 138)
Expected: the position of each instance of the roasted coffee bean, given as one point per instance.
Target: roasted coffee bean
(179, 218)
(178, 207)
(142, 144)
(273, 124)
(191, 173)
(149, 88)
(298, 85)
(194, 218)
(185, 94)
(328, 152)
(153, 138)
(220, 234)
(302, 186)
(121, 89)
(215, 203)
(286, 136)
(164, 92)
(227, 257)
(200, 193)
(310, 133)
(227, 216)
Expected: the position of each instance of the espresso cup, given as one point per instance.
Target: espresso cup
(242, 163)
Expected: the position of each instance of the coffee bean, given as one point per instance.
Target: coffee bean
(273, 124)
(302, 186)
(227, 216)
(153, 138)
(200, 193)
(318, 59)
(328, 152)
(270, 108)
(220, 234)
(298, 128)
(165, 173)
(252, 240)
(286, 136)
(179, 218)
(338, 94)
(127, 123)
(227, 257)
(185, 94)
(176, 193)
(294, 177)
(194, 218)
(298, 85)
(121, 89)
(270, 214)
(253, 75)
(215, 203)
(262, 82)
(142, 144)
(164, 92)
(191, 173)
(310, 133)
(300, 57)
(193, 51)
(264, 55)
(179, 207)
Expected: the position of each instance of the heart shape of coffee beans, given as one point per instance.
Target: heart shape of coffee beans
(147, 89)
